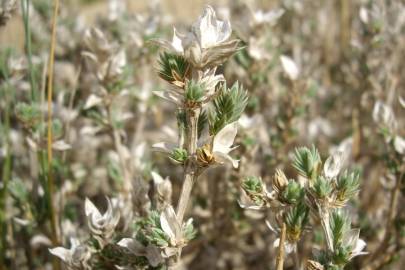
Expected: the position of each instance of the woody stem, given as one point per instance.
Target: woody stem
(190, 166)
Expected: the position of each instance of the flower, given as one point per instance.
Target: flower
(103, 58)
(384, 116)
(101, 226)
(176, 232)
(290, 67)
(206, 45)
(351, 239)
(76, 257)
(333, 165)
(217, 152)
(163, 187)
(151, 252)
(212, 149)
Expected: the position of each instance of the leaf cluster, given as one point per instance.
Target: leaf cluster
(227, 107)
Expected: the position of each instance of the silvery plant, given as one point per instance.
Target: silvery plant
(207, 111)
(318, 196)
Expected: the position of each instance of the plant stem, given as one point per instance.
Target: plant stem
(281, 251)
(324, 216)
(51, 184)
(190, 169)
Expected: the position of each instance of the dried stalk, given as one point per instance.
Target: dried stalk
(190, 170)
(281, 251)
(51, 184)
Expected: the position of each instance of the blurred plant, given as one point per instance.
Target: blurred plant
(319, 191)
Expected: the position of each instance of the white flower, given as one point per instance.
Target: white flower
(163, 187)
(101, 226)
(249, 23)
(76, 257)
(384, 116)
(206, 45)
(333, 165)
(290, 67)
(152, 253)
(174, 230)
(351, 239)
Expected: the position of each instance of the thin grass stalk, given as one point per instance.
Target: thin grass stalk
(281, 249)
(51, 184)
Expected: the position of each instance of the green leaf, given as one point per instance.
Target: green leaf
(322, 187)
(228, 107)
(307, 162)
(194, 91)
(293, 193)
(347, 185)
(173, 67)
(339, 224)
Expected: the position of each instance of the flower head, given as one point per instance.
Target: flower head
(207, 44)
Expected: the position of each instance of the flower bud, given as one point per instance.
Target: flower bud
(280, 181)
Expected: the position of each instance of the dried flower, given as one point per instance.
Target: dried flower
(151, 252)
(218, 150)
(163, 188)
(280, 181)
(76, 257)
(101, 226)
(313, 265)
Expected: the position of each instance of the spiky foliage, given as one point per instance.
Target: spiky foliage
(307, 161)
(339, 224)
(173, 68)
(194, 92)
(347, 185)
(228, 107)
(296, 219)
(202, 122)
(293, 193)
(322, 188)
(253, 187)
